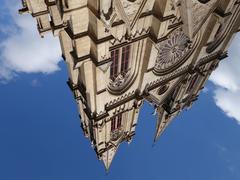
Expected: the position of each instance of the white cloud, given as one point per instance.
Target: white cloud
(229, 102)
(227, 81)
(23, 50)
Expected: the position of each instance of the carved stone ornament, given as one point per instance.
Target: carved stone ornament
(172, 51)
(132, 9)
(195, 13)
(108, 13)
(119, 81)
(116, 134)
(105, 67)
(116, 10)
(201, 10)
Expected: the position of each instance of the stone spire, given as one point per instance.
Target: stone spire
(163, 119)
(108, 156)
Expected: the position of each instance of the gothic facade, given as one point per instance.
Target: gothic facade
(122, 52)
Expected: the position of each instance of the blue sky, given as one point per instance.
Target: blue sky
(39, 126)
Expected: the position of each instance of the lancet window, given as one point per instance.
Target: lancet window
(116, 122)
(120, 61)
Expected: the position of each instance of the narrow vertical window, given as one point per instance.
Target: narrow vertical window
(119, 122)
(114, 65)
(113, 124)
(125, 59)
(116, 122)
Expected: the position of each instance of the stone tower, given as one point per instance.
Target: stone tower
(121, 52)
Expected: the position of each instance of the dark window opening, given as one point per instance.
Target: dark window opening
(125, 59)
(122, 66)
(116, 122)
(114, 65)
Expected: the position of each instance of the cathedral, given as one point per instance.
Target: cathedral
(120, 53)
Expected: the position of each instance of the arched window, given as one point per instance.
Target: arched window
(114, 65)
(125, 59)
(116, 122)
(120, 67)
(123, 69)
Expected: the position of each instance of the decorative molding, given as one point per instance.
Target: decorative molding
(119, 82)
(172, 51)
(116, 134)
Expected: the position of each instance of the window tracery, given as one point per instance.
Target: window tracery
(116, 127)
(119, 68)
(120, 71)
(172, 51)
